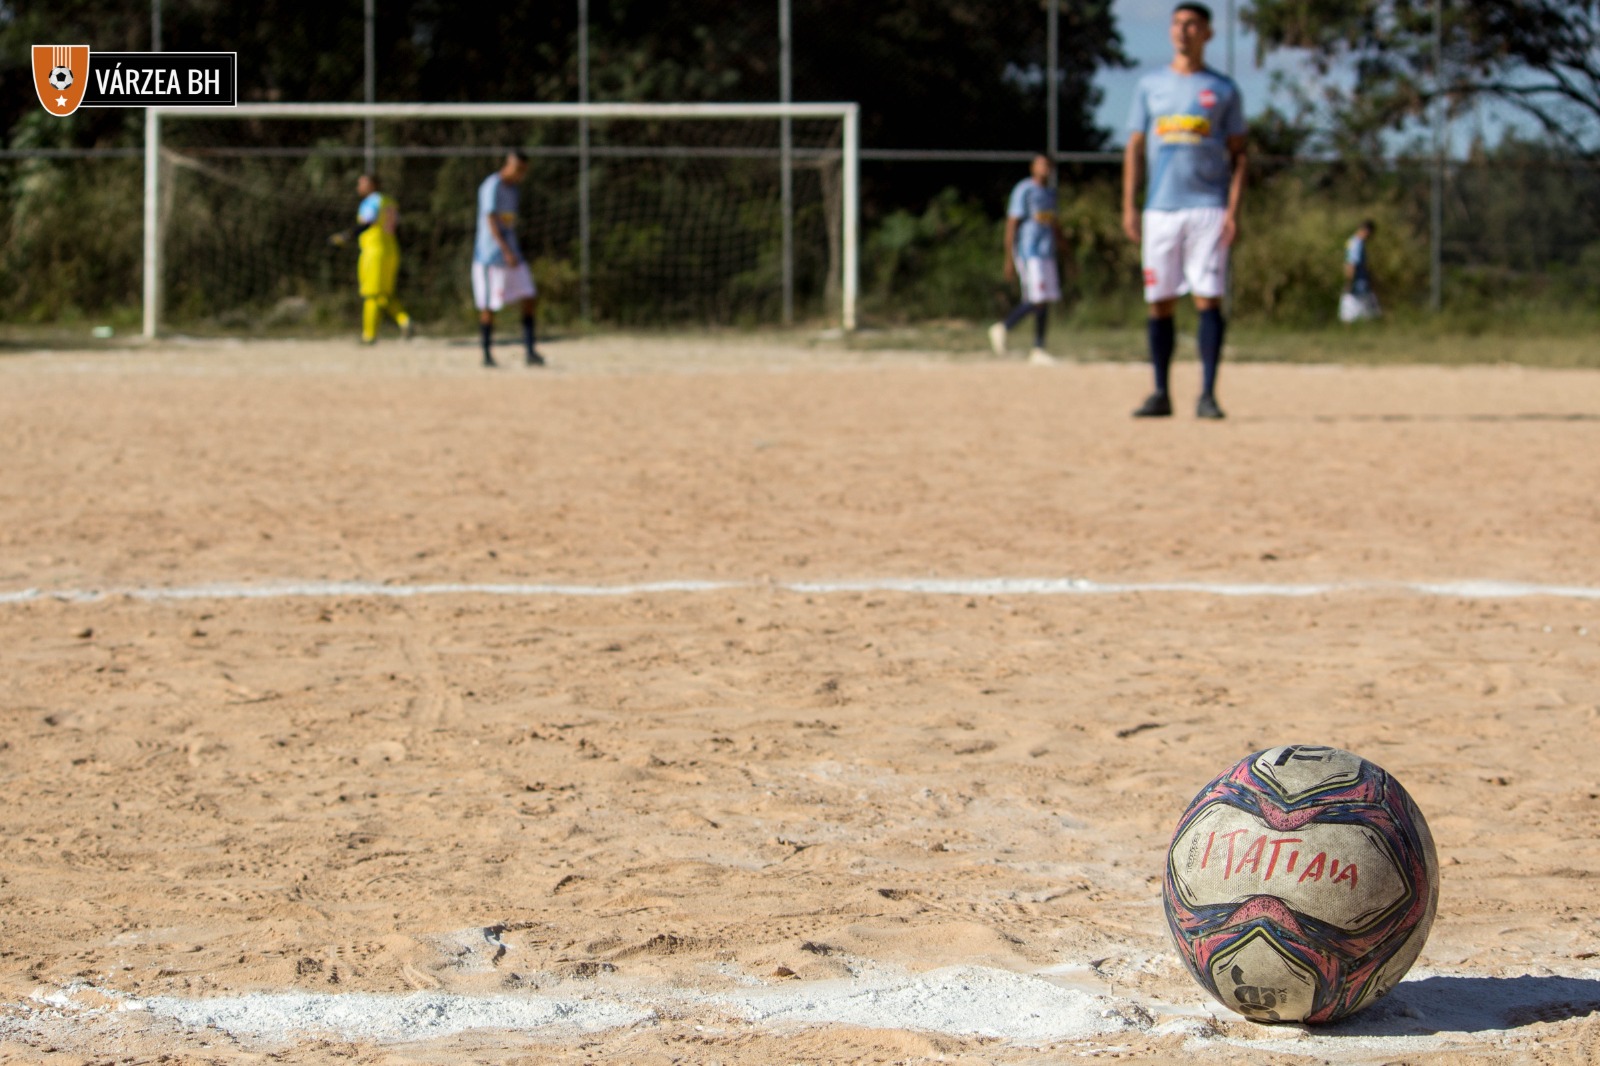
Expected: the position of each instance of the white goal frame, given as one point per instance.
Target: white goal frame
(848, 115)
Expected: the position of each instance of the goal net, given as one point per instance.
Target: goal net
(637, 215)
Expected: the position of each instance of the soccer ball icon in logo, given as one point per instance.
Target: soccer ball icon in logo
(1301, 884)
(60, 77)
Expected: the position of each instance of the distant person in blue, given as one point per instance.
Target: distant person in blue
(1358, 301)
(1186, 136)
(499, 273)
(1033, 236)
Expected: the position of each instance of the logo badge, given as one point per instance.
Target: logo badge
(1208, 99)
(61, 76)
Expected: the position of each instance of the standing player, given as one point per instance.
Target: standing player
(1358, 301)
(499, 274)
(1032, 236)
(1193, 120)
(377, 217)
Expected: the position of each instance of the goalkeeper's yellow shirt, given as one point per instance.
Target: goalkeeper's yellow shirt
(379, 265)
(380, 214)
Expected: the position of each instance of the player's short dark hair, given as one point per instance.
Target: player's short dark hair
(1199, 9)
(1369, 225)
(518, 154)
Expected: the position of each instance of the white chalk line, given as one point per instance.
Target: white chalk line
(1474, 589)
(1424, 1012)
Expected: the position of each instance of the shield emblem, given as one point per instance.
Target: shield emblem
(60, 76)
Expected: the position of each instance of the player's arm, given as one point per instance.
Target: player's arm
(1240, 158)
(1012, 222)
(345, 236)
(499, 236)
(1132, 175)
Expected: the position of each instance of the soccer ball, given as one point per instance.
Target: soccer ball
(61, 77)
(1301, 884)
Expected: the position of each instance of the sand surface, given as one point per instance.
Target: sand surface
(689, 701)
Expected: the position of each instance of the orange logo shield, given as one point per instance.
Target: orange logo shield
(60, 76)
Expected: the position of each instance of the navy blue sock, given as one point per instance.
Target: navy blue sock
(1163, 339)
(1041, 325)
(1020, 312)
(1212, 329)
(486, 331)
(527, 333)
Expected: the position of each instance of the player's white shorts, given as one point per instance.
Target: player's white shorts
(1183, 253)
(1041, 281)
(495, 286)
(1353, 308)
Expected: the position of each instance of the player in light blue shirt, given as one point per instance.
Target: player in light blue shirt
(1357, 272)
(1358, 301)
(499, 273)
(1032, 238)
(1186, 142)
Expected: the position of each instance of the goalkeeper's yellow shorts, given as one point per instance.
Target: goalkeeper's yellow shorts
(377, 270)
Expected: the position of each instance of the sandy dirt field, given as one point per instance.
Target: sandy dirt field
(363, 706)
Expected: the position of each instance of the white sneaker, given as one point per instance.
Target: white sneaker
(1040, 357)
(997, 338)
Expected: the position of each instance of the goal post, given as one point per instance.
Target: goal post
(835, 157)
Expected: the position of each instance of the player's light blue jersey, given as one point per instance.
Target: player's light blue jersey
(1035, 206)
(498, 198)
(1355, 253)
(1187, 120)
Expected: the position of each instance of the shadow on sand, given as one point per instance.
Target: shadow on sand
(1519, 416)
(1432, 1005)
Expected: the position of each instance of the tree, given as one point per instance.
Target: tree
(1541, 57)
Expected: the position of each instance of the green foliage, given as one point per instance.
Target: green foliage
(945, 262)
(1099, 266)
(72, 237)
(1525, 206)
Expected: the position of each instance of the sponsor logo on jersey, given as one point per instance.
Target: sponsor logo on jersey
(1208, 99)
(1183, 129)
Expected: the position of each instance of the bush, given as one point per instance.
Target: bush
(943, 263)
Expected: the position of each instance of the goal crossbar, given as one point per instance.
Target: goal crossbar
(848, 115)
